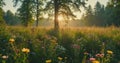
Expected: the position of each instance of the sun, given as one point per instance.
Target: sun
(45, 16)
(60, 18)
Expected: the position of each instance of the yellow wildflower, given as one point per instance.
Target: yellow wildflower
(48, 61)
(109, 52)
(11, 40)
(60, 58)
(25, 50)
(95, 61)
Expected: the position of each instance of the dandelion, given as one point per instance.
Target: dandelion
(48, 61)
(4, 57)
(59, 58)
(109, 52)
(25, 50)
(95, 61)
(11, 40)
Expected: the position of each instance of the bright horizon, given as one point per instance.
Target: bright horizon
(9, 6)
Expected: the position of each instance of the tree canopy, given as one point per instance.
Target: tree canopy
(63, 7)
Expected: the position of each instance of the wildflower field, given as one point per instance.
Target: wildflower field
(69, 45)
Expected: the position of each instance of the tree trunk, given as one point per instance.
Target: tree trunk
(56, 23)
(27, 13)
(37, 14)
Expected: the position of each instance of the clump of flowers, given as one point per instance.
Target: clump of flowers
(104, 58)
(48, 61)
(25, 56)
(25, 50)
(93, 60)
(99, 58)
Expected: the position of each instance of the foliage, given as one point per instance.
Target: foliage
(2, 21)
(113, 10)
(96, 16)
(38, 10)
(102, 15)
(2, 3)
(11, 19)
(64, 8)
(25, 11)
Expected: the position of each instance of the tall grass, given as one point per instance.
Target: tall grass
(70, 44)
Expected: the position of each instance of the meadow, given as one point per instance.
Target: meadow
(69, 45)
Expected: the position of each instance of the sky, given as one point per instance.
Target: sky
(9, 5)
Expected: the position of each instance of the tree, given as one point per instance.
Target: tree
(37, 10)
(8, 17)
(99, 14)
(88, 16)
(63, 7)
(109, 12)
(2, 22)
(116, 7)
(95, 16)
(25, 11)
(112, 12)
(2, 3)
(11, 19)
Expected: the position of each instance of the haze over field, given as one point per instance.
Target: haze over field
(84, 13)
(9, 5)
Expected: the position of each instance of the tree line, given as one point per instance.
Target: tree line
(33, 10)
(102, 15)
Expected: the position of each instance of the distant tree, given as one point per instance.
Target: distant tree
(11, 19)
(63, 7)
(99, 14)
(2, 3)
(38, 10)
(87, 18)
(25, 11)
(2, 22)
(112, 12)
(109, 14)
(8, 17)
(115, 5)
(96, 16)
